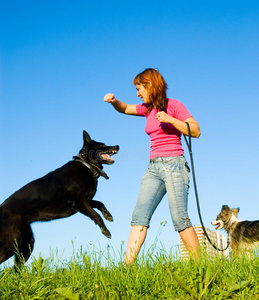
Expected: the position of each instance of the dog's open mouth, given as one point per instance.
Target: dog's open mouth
(106, 157)
(218, 224)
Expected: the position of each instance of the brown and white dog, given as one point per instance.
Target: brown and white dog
(243, 234)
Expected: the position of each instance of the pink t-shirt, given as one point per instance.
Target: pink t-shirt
(165, 139)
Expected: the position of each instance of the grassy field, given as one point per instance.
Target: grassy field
(156, 275)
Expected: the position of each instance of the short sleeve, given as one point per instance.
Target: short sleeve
(141, 109)
(177, 110)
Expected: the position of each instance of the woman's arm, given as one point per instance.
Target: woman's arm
(180, 125)
(122, 107)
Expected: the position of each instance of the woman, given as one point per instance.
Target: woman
(168, 171)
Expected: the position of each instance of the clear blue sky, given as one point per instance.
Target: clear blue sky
(59, 58)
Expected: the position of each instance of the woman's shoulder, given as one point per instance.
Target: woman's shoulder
(174, 104)
(176, 108)
(172, 101)
(141, 108)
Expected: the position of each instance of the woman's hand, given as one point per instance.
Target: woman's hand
(110, 98)
(163, 117)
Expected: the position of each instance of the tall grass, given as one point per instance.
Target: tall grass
(157, 274)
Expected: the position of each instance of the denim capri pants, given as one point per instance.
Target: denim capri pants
(164, 175)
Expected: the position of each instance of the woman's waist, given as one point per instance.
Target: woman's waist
(158, 153)
(166, 158)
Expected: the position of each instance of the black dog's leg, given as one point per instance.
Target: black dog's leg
(99, 205)
(6, 253)
(8, 235)
(25, 246)
(86, 209)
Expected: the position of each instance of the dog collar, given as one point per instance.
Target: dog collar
(95, 170)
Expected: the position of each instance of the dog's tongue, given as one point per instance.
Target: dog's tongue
(217, 226)
(107, 157)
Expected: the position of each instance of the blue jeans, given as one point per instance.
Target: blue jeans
(164, 175)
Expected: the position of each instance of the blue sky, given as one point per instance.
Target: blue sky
(59, 58)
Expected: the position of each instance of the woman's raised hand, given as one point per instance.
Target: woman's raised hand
(110, 98)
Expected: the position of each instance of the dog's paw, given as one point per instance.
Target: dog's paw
(107, 215)
(109, 218)
(106, 232)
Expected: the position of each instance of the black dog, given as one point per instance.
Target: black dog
(59, 194)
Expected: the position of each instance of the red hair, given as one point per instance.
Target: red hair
(156, 86)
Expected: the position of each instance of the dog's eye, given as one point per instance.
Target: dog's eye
(100, 145)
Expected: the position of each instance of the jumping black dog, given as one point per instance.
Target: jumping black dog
(59, 194)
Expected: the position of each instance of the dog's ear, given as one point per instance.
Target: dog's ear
(86, 137)
(235, 211)
(225, 207)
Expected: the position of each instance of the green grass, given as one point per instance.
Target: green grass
(155, 275)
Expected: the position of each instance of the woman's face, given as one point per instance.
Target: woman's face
(142, 93)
